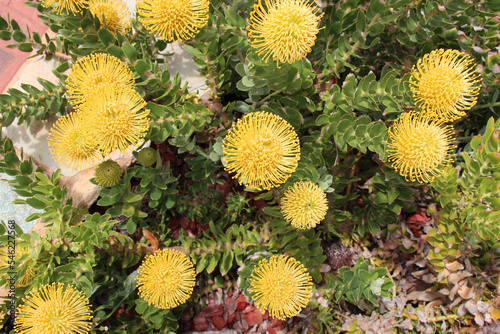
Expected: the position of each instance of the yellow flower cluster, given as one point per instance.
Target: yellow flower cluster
(280, 285)
(54, 308)
(283, 29)
(113, 14)
(166, 278)
(109, 117)
(304, 205)
(445, 85)
(24, 269)
(262, 149)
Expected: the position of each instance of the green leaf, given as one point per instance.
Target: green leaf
(131, 197)
(19, 36)
(25, 47)
(35, 203)
(106, 37)
(226, 262)
(141, 67)
(116, 51)
(6, 35)
(128, 210)
(130, 52)
(272, 211)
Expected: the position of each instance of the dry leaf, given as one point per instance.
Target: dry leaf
(426, 296)
(454, 266)
(151, 238)
(471, 306)
(429, 307)
(443, 274)
(479, 319)
(465, 292)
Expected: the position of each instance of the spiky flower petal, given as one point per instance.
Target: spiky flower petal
(445, 84)
(284, 29)
(70, 146)
(262, 149)
(419, 147)
(108, 173)
(166, 278)
(94, 72)
(147, 156)
(304, 205)
(24, 270)
(75, 6)
(280, 285)
(114, 119)
(173, 20)
(54, 309)
(113, 13)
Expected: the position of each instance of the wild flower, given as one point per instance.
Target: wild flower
(419, 147)
(173, 20)
(445, 84)
(115, 119)
(283, 29)
(113, 13)
(280, 285)
(70, 146)
(75, 6)
(262, 149)
(54, 309)
(166, 279)
(93, 73)
(304, 205)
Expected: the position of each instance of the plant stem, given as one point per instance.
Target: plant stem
(270, 95)
(487, 105)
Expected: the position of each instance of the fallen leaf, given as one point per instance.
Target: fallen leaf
(454, 266)
(471, 306)
(151, 238)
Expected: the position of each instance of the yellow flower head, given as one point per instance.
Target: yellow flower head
(284, 29)
(166, 279)
(93, 73)
(280, 285)
(25, 266)
(114, 120)
(419, 147)
(173, 20)
(262, 149)
(115, 12)
(70, 146)
(445, 84)
(54, 309)
(75, 6)
(304, 205)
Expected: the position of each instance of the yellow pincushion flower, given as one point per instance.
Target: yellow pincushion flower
(173, 20)
(8, 254)
(166, 279)
(283, 29)
(304, 205)
(75, 6)
(54, 309)
(115, 12)
(419, 147)
(70, 146)
(94, 72)
(280, 285)
(262, 149)
(445, 84)
(114, 119)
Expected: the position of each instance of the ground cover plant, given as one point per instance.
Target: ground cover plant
(340, 175)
